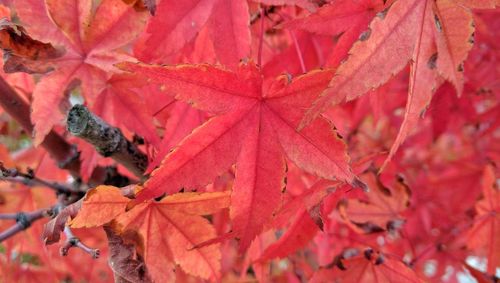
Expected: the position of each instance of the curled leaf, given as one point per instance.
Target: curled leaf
(23, 53)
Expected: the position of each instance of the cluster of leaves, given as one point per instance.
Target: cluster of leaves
(286, 139)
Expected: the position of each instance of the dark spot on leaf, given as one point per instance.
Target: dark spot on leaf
(159, 198)
(471, 38)
(315, 214)
(250, 271)
(368, 254)
(440, 247)
(383, 13)
(137, 140)
(422, 113)
(395, 225)
(431, 63)
(438, 23)
(460, 68)
(365, 35)
(357, 183)
(321, 3)
(285, 183)
(337, 261)
(400, 178)
(151, 6)
(383, 189)
(336, 38)
(369, 228)
(379, 260)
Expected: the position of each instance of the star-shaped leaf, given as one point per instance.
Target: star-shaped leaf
(254, 127)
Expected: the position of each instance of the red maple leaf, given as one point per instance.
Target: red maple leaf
(382, 210)
(178, 22)
(345, 19)
(434, 36)
(255, 126)
(90, 36)
(371, 266)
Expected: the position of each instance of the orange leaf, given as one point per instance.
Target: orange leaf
(198, 203)
(100, 206)
(167, 234)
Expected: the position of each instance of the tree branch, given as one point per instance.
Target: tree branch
(65, 154)
(29, 179)
(73, 241)
(18, 108)
(23, 221)
(107, 140)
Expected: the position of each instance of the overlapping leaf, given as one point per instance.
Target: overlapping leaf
(383, 208)
(178, 22)
(345, 18)
(370, 267)
(164, 231)
(435, 36)
(254, 127)
(108, 201)
(90, 36)
(22, 53)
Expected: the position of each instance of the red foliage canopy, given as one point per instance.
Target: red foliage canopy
(286, 140)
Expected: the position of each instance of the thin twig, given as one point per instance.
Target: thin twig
(8, 216)
(29, 179)
(73, 241)
(38, 182)
(23, 221)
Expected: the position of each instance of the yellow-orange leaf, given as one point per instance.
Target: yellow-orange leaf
(198, 203)
(100, 206)
(167, 236)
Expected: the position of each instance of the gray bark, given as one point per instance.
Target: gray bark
(107, 140)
